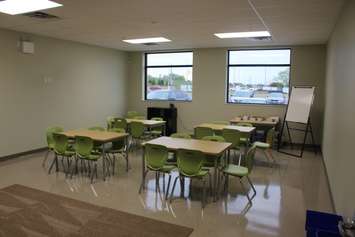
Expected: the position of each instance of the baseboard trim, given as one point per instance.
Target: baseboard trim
(17, 155)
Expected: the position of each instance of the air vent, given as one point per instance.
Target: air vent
(41, 15)
(150, 44)
(263, 38)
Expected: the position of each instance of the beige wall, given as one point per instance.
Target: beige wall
(88, 84)
(339, 129)
(209, 83)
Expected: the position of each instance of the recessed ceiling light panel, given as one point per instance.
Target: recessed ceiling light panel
(14, 7)
(147, 40)
(243, 34)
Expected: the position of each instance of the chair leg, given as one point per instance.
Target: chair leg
(252, 186)
(173, 189)
(168, 187)
(245, 191)
(210, 184)
(45, 158)
(142, 184)
(203, 193)
(54, 162)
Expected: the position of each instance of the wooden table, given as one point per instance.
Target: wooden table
(149, 123)
(219, 127)
(267, 122)
(207, 147)
(101, 137)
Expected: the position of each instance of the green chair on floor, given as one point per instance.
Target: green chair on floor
(201, 132)
(181, 135)
(120, 123)
(241, 172)
(232, 136)
(118, 148)
(189, 164)
(156, 157)
(266, 147)
(50, 141)
(132, 114)
(110, 120)
(138, 133)
(61, 149)
(209, 160)
(157, 131)
(244, 138)
(85, 153)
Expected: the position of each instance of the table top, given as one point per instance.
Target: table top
(147, 122)
(273, 121)
(100, 136)
(214, 126)
(207, 147)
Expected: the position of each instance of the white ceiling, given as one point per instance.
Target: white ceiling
(188, 23)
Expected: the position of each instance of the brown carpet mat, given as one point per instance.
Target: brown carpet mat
(29, 212)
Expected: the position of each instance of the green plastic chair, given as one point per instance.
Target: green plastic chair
(181, 135)
(232, 136)
(157, 131)
(120, 123)
(110, 120)
(61, 149)
(84, 151)
(139, 117)
(241, 172)
(244, 138)
(50, 141)
(201, 132)
(266, 147)
(118, 148)
(132, 114)
(137, 130)
(190, 163)
(97, 128)
(209, 160)
(156, 157)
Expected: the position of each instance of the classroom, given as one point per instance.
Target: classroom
(177, 118)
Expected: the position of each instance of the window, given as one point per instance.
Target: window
(258, 76)
(168, 76)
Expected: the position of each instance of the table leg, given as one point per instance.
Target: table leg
(215, 179)
(103, 162)
(143, 167)
(127, 152)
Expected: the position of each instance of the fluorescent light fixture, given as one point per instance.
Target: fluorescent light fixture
(147, 40)
(14, 7)
(243, 34)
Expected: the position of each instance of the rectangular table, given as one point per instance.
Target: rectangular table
(207, 147)
(101, 137)
(267, 122)
(220, 127)
(149, 123)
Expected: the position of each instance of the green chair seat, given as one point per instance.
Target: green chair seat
(201, 173)
(69, 153)
(262, 145)
(236, 170)
(164, 169)
(91, 157)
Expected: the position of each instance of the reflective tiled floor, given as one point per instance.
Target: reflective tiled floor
(283, 195)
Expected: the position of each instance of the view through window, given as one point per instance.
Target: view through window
(258, 76)
(168, 76)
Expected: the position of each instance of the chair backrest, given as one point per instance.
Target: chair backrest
(157, 119)
(232, 136)
(189, 161)
(221, 122)
(60, 143)
(137, 129)
(97, 128)
(139, 117)
(83, 146)
(132, 114)
(201, 132)
(214, 138)
(249, 158)
(155, 156)
(119, 144)
(110, 120)
(181, 135)
(270, 136)
(120, 123)
(49, 135)
(244, 124)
